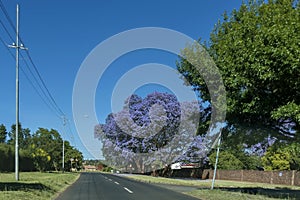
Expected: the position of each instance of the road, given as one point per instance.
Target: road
(92, 186)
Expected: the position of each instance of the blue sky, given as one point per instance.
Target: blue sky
(61, 34)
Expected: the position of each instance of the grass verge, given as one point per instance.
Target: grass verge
(227, 190)
(34, 185)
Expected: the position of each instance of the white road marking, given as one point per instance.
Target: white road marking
(110, 179)
(117, 183)
(128, 190)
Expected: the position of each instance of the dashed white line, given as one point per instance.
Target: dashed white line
(128, 190)
(125, 188)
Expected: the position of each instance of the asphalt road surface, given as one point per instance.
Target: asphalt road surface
(92, 186)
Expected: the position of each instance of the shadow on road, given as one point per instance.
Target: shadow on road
(281, 193)
(9, 186)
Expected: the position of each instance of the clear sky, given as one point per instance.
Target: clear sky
(61, 34)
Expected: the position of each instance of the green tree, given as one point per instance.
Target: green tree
(6, 158)
(24, 136)
(73, 157)
(47, 146)
(226, 161)
(282, 157)
(3, 133)
(41, 158)
(26, 160)
(235, 157)
(257, 51)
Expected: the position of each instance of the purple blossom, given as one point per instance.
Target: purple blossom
(152, 132)
(260, 148)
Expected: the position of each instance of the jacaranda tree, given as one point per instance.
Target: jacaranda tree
(151, 133)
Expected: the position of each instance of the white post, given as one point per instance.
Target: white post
(17, 99)
(216, 164)
(63, 147)
(17, 47)
(63, 156)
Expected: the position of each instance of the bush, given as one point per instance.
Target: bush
(7, 156)
(226, 161)
(7, 159)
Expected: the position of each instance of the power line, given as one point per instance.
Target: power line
(6, 30)
(71, 133)
(7, 16)
(45, 91)
(8, 49)
(39, 94)
(45, 94)
(57, 112)
(43, 83)
(29, 80)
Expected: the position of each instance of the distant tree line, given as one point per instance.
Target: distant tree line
(39, 151)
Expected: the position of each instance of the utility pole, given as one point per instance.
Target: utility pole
(17, 47)
(63, 147)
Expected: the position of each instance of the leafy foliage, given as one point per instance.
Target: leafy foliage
(7, 158)
(41, 158)
(282, 157)
(3, 133)
(256, 49)
(39, 151)
(150, 133)
(235, 158)
(226, 161)
(23, 136)
(46, 149)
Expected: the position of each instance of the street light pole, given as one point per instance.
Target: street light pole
(216, 164)
(17, 47)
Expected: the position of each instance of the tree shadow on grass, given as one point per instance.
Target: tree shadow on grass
(280, 193)
(12, 186)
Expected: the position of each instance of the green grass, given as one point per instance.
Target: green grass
(224, 195)
(34, 185)
(227, 190)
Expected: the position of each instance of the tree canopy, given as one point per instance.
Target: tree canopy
(256, 49)
(3, 133)
(150, 133)
(282, 157)
(41, 150)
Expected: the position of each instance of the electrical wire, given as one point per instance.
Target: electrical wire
(57, 112)
(50, 102)
(29, 80)
(8, 49)
(7, 16)
(47, 93)
(43, 83)
(71, 133)
(6, 30)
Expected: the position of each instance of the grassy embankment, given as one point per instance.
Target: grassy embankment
(34, 185)
(228, 190)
